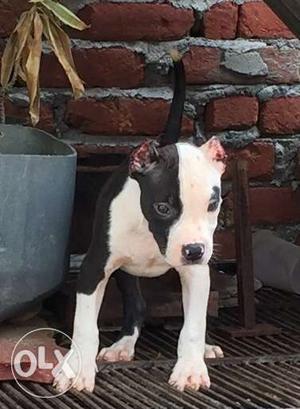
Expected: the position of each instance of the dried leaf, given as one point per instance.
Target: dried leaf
(65, 40)
(61, 48)
(24, 29)
(32, 69)
(24, 58)
(8, 59)
(14, 48)
(63, 14)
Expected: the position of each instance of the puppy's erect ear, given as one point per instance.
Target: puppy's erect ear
(215, 152)
(143, 158)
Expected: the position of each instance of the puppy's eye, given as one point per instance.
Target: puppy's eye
(214, 199)
(213, 205)
(162, 209)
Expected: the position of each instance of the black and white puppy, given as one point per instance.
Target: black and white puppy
(158, 211)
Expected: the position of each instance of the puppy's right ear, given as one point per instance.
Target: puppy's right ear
(143, 159)
(215, 152)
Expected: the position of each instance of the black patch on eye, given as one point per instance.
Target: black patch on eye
(161, 185)
(214, 199)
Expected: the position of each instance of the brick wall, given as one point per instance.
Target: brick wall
(243, 74)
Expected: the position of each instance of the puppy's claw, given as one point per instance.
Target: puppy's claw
(84, 380)
(114, 355)
(62, 383)
(188, 375)
(213, 351)
(122, 350)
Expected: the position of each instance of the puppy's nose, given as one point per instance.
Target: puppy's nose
(193, 252)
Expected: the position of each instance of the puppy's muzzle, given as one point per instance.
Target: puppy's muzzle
(193, 253)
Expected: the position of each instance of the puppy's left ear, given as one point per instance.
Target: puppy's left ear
(143, 159)
(215, 152)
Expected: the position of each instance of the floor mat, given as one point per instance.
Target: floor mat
(258, 373)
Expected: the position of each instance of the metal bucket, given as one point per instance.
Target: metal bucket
(37, 181)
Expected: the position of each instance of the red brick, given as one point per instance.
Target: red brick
(280, 116)
(19, 113)
(283, 65)
(257, 20)
(202, 65)
(220, 22)
(237, 112)
(106, 67)
(224, 242)
(9, 14)
(121, 116)
(260, 157)
(133, 21)
(272, 205)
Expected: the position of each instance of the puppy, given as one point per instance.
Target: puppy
(158, 211)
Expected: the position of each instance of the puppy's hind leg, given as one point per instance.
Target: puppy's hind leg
(134, 312)
(211, 350)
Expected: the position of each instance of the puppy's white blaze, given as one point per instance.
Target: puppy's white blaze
(197, 177)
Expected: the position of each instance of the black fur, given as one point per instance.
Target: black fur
(214, 199)
(161, 185)
(92, 269)
(134, 306)
(172, 130)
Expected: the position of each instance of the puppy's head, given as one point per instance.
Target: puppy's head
(180, 197)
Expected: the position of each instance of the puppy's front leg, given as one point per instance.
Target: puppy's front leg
(75, 372)
(190, 370)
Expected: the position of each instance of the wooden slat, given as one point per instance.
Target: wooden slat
(243, 236)
(288, 11)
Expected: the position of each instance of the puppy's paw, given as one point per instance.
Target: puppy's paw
(62, 383)
(86, 379)
(189, 375)
(213, 351)
(122, 350)
(66, 372)
(72, 373)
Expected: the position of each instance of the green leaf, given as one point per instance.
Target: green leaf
(65, 15)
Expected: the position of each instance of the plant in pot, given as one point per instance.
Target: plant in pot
(37, 171)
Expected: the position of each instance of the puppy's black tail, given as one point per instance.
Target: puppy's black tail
(172, 130)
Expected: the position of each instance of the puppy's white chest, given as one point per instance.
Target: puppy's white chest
(132, 245)
(140, 253)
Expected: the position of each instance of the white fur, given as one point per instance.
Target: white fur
(190, 370)
(133, 248)
(86, 339)
(197, 177)
(122, 350)
(129, 235)
(132, 244)
(213, 351)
